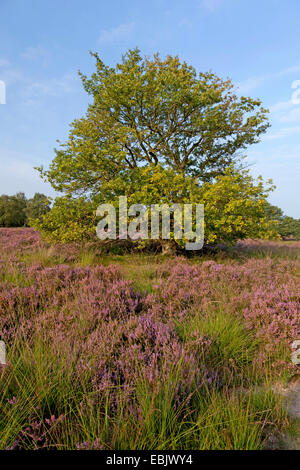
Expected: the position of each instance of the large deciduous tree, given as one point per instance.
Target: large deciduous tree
(150, 119)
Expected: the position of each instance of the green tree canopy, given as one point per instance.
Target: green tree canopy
(37, 206)
(157, 131)
(12, 210)
(16, 210)
(285, 226)
(149, 111)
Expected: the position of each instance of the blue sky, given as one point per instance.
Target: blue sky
(43, 43)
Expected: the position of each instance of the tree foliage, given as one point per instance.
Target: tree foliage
(154, 112)
(157, 131)
(69, 220)
(37, 206)
(234, 204)
(15, 211)
(12, 210)
(285, 226)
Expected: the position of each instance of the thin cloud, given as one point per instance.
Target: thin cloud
(35, 53)
(279, 153)
(54, 87)
(286, 111)
(8, 73)
(293, 115)
(252, 83)
(281, 106)
(185, 23)
(211, 5)
(283, 133)
(118, 33)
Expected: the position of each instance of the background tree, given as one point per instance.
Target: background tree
(273, 212)
(15, 211)
(37, 206)
(12, 210)
(284, 225)
(289, 228)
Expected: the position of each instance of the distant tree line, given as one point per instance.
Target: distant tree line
(287, 227)
(17, 210)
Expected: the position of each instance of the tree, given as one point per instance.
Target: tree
(15, 211)
(289, 227)
(37, 206)
(284, 225)
(273, 212)
(153, 120)
(12, 210)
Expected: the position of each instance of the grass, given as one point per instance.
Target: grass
(230, 418)
(233, 344)
(44, 256)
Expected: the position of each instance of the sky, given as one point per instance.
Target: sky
(43, 44)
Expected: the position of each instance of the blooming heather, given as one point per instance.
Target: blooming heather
(114, 337)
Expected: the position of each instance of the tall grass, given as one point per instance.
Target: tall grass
(53, 410)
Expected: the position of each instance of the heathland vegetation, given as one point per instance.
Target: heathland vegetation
(142, 351)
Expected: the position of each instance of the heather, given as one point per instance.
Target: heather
(143, 351)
